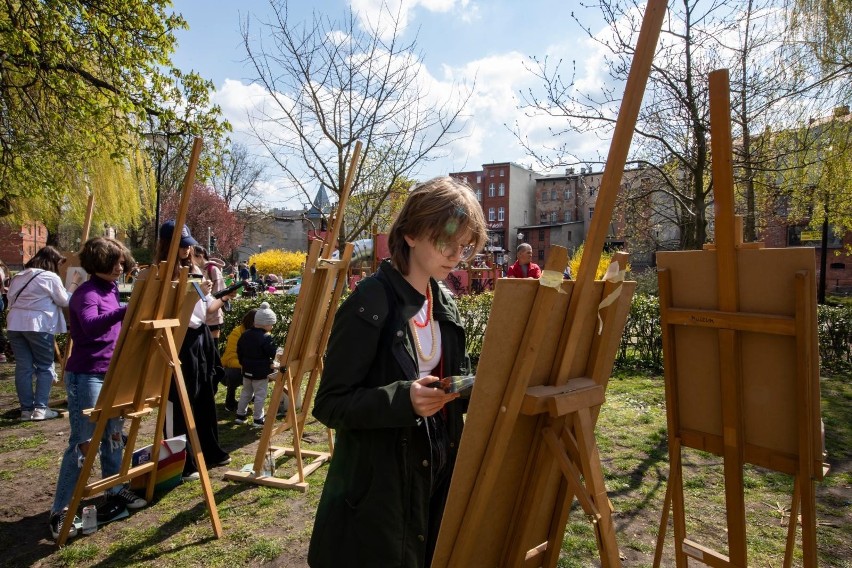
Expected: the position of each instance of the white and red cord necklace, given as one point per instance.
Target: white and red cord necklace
(416, 326)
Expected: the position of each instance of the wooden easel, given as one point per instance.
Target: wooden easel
(528, 446)
(323, 282)
(741, 364)
(139, 375)
(72, 261)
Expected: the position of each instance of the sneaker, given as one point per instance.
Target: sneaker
(231, 406)
(110, 510)
(44, 414)
(241, 419)
(194, 476)
(257, 423)
(56, 521)
(26, 415)
(130, 499)
(224, 461)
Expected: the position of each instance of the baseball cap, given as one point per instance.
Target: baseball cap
(168, 228)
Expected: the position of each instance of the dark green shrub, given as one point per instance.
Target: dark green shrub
(281, 304)
(642, 343)
(835, 337)
(474, 311)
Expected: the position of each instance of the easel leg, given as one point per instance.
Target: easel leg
(183, 396)
(792, 523)
(269, 424)
(593, 474)
(667, 504)
(82, 481)
(807, 503)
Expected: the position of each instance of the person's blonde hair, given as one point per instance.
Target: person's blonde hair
(438, 209)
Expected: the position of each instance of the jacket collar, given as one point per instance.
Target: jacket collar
(410, 300)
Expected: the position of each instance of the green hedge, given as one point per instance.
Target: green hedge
(641, 345)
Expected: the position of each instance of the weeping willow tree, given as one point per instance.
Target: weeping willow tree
(123, 190)
(826, 28)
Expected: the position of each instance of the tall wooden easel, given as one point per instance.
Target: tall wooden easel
(528, 446)
(323, 282)
(139, 375)
(72, 260)
(741, 364)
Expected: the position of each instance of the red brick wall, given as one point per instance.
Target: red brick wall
(15, 249)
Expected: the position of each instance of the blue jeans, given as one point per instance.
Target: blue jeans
(83, 390)
(33, 356)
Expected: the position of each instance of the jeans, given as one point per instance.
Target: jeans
(83, 390)
(33, 355)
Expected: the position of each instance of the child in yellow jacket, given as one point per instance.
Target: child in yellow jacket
(233, 371)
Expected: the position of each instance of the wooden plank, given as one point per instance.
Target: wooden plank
(499, 436)
(570, 362)
(737, 321)
(706, 555)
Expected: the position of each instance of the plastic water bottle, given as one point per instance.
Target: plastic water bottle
(90, 519)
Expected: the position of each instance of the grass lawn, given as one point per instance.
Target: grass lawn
(271, 527)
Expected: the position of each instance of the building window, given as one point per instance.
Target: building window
(567, 216)
(501, 214)
(501, 172)
(501, 191)
(541, 235)
(544, 195)
(553, 194)
(541, 255)
(491, 190)
(569, 236)
(478, 194)
(553, 216)
(543, 218)
(591, 212)
(491, 173)
(478, 178)
(490, 213)
(567, 194)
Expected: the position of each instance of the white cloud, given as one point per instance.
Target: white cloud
(380, 14)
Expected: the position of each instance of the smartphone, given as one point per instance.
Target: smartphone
(229, 289)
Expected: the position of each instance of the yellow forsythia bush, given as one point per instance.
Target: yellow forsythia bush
(286, 264)
(603, 263)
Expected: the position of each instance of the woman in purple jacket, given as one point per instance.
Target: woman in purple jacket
(95, 323)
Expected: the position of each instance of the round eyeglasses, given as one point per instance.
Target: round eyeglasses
(464, 251)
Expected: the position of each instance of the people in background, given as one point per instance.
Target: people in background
(393, 339)
(211, 268)
(36, 298)
(244, 273)
(4, 285)
(95, 323)
(256, 351)
(524, 267)
(233, 370)
(200, 363)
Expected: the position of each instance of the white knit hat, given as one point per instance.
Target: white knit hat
(265, 315)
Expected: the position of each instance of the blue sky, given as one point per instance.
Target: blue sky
(460, 39)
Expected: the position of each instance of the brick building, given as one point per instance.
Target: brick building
(838, 274)
(19, 243)
(506, 192)
(564, 207)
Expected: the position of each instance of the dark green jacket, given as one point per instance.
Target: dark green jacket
(375, 506)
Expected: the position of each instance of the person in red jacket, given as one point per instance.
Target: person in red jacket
(524, 267)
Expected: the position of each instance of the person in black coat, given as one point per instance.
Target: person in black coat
(397, 434)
